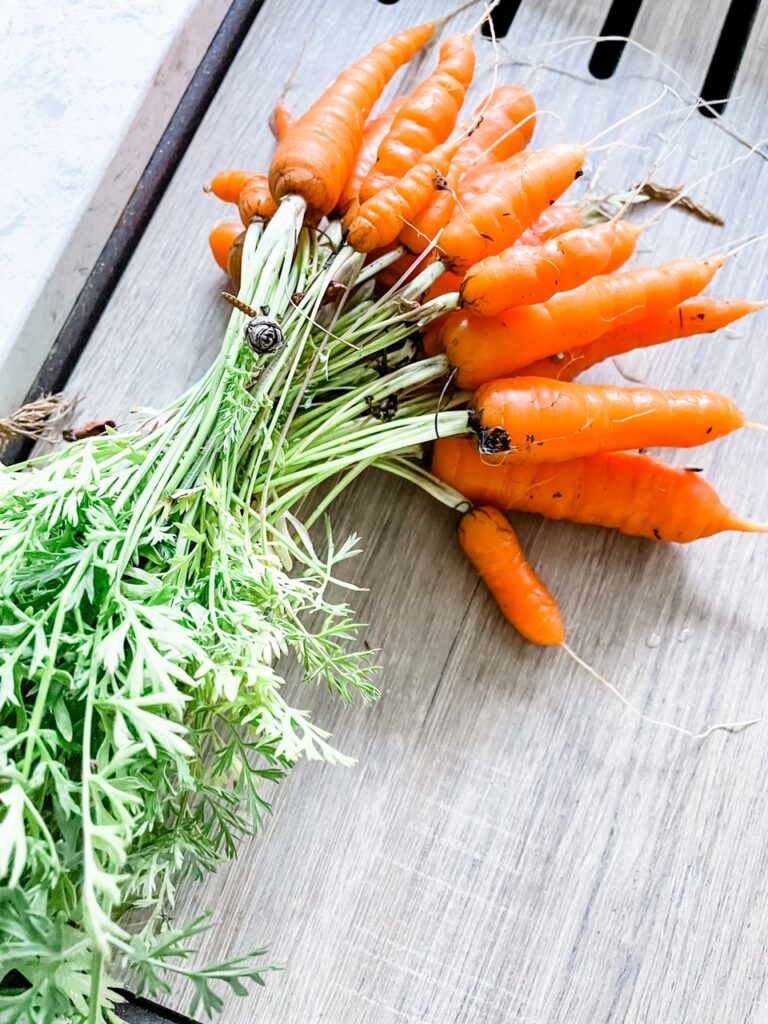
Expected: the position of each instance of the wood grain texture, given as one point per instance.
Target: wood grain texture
(513, 845)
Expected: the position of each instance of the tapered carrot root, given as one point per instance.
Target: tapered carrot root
(485, 348)
(282, 121)
(505, 128)
(493, 548)
(375, 130)
(625, 491)
(228, 185)
(221, 240)
(523, 275)
(256, 200)
(513, 198)
(427, 117)
(315, 158)
(702, 315)
(549, 421)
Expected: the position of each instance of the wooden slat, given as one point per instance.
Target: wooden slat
(513, 845)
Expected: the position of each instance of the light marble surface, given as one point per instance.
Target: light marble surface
(86, 89)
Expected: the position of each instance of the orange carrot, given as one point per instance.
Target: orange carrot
(484, 348)
(282, 120)
(427, 117)
(228, 185)
(553, 221)
(523, 274)
(494, 549)
(315, 158)
(256, 200)
(375, 130)
(625, 491)
(701, 315)
(524, 418)
(235, 259)
(499, 135)
(380, 219)
(221, 240)
(510, 202)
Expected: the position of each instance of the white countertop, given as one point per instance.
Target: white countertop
(86, 89)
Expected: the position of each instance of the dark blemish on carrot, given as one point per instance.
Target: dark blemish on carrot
(694, 469)
(680, 314)
(488, 238)
(701, 316)
(530, 438)
(577, 175)
(494, 441)
(440, 183)
(642, 451)
(551, 202)
(709, 430)
(656, 534)
(557, 494)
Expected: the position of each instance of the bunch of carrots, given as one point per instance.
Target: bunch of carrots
(534, 297)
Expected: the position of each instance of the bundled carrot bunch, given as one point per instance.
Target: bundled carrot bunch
(537, 298)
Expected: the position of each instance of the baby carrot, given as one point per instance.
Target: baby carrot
(625, 491)
(506, 126)
(510, 202)
(427, 117)
(256, 200)
(374, 132)
(696, 316)
(555, 220)
(228, 185)
(484, 348)
(494, 549)
(522, 275)
(380, 219)
(549, 421)
(221, 240)
(315, 158)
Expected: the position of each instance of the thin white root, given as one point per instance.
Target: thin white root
(756, 426)
(720, 726)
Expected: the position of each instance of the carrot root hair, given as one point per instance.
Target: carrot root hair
(718, 727)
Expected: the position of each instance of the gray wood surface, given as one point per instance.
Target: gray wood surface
(513, 845)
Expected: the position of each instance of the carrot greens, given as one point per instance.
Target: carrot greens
(152, 586)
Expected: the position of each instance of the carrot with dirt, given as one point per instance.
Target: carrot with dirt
(701, 315)
(256, 200)
(513, 198)
(535, 418)
(426, 119)
(485, 348)
(315, 158)
(374, 132)
(492, 546)
(626, 491)
(221, 240)
(523, 274)
(505, 126)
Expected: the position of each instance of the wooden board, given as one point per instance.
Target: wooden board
(513, 845)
